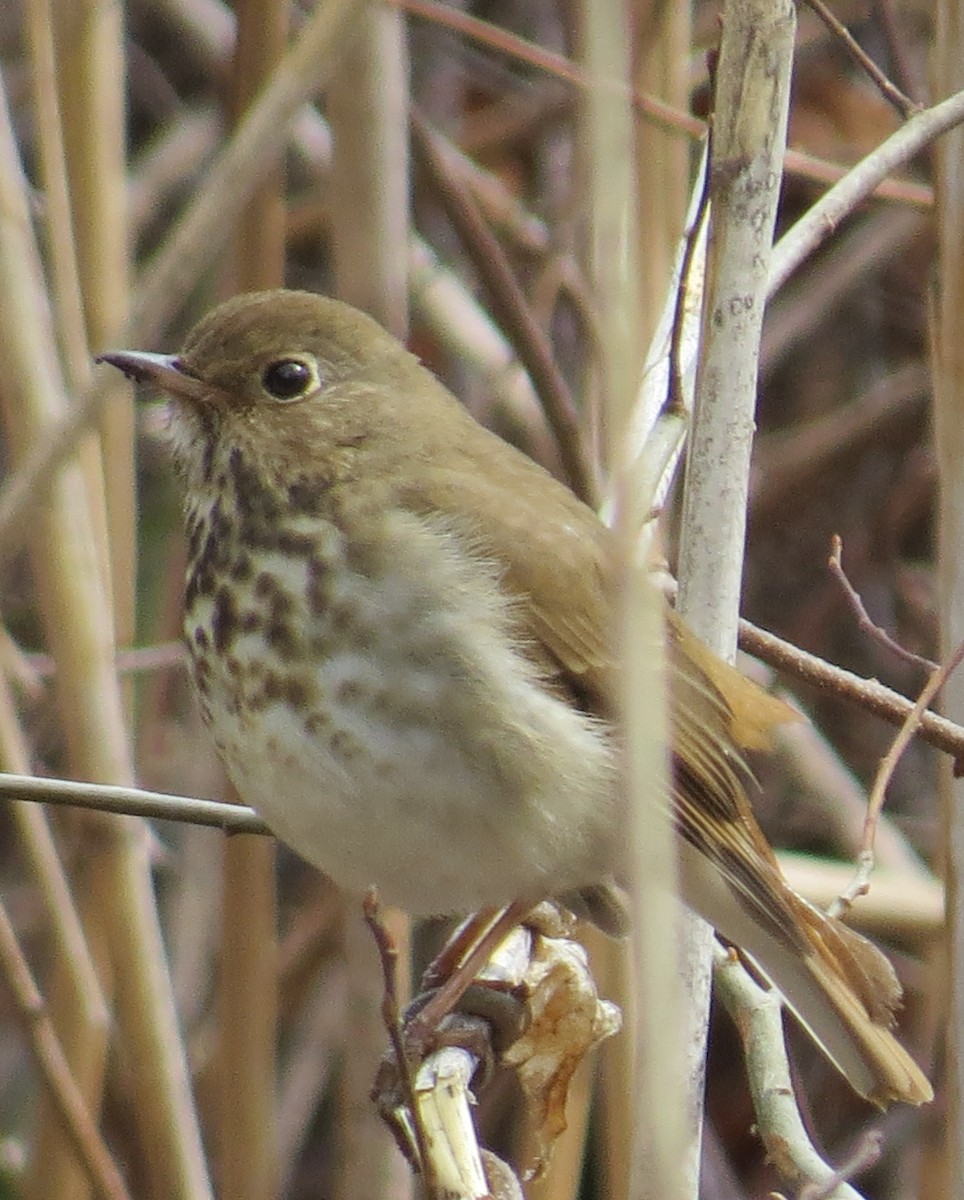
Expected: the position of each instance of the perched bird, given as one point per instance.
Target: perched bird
(399, 628)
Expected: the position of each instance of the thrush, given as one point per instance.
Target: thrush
(401, 634)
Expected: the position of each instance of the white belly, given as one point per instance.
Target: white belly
(395, 737)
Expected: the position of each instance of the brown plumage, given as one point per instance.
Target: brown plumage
(400, 633)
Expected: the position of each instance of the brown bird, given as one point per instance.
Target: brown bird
(399, 630)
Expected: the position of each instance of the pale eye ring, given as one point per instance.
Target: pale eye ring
(288, 378)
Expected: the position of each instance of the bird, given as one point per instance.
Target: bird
(401, 633)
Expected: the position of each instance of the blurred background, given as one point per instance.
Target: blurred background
(153, 160)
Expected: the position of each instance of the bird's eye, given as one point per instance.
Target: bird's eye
(287, 379)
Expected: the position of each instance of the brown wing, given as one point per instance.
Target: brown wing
(556, 560)
(551, 550)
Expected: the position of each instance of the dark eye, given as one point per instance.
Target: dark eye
(287, 379)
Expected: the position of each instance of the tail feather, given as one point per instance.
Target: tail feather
(841, 988)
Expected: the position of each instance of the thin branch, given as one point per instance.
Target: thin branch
(823, 218)
(897, 49)
(388, 957)
(891, 93)
(162, 656)
(870, 695)
(875, 804)
(757, 1013)
(909, 192)
(232, 818)
(693, 242)
(864, 621)
(866, 1154)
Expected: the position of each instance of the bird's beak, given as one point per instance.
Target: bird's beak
(165, 370)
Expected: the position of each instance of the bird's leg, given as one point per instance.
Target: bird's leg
(453, 953)
(456, 967)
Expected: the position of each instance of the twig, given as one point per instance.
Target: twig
(693, 241)
(757, 1013)
(865, 859)
(904, 105)
(870, 695)
(904, 907)
(864, 1155)
(901, 190)
(864, 621)
(823, 217)
(656, 434)
(388, 957)
(472, 958)
(838, 799)
(897, 49)
(232, 818)
(163, 656)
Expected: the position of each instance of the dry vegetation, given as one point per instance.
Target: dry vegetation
(214, 1054)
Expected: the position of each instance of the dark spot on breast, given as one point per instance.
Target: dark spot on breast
(316, 589)
(341, 619)
(281, 605)
(343, 745)
(317, 723)
(221, 528)
(298, 545)
(382, 703)
(250, 621)
(264, 585)
(283, 640)
(297, 692)
(200, 638)
(210, 425)
(224, 619)
(195, 532)
(320, 646)
(307, 495)
(279, 600)
(256, 501)
(212, 551)
(349, 691)
(202, 675)
(199, 583)
(242, 568)
(283, 689)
